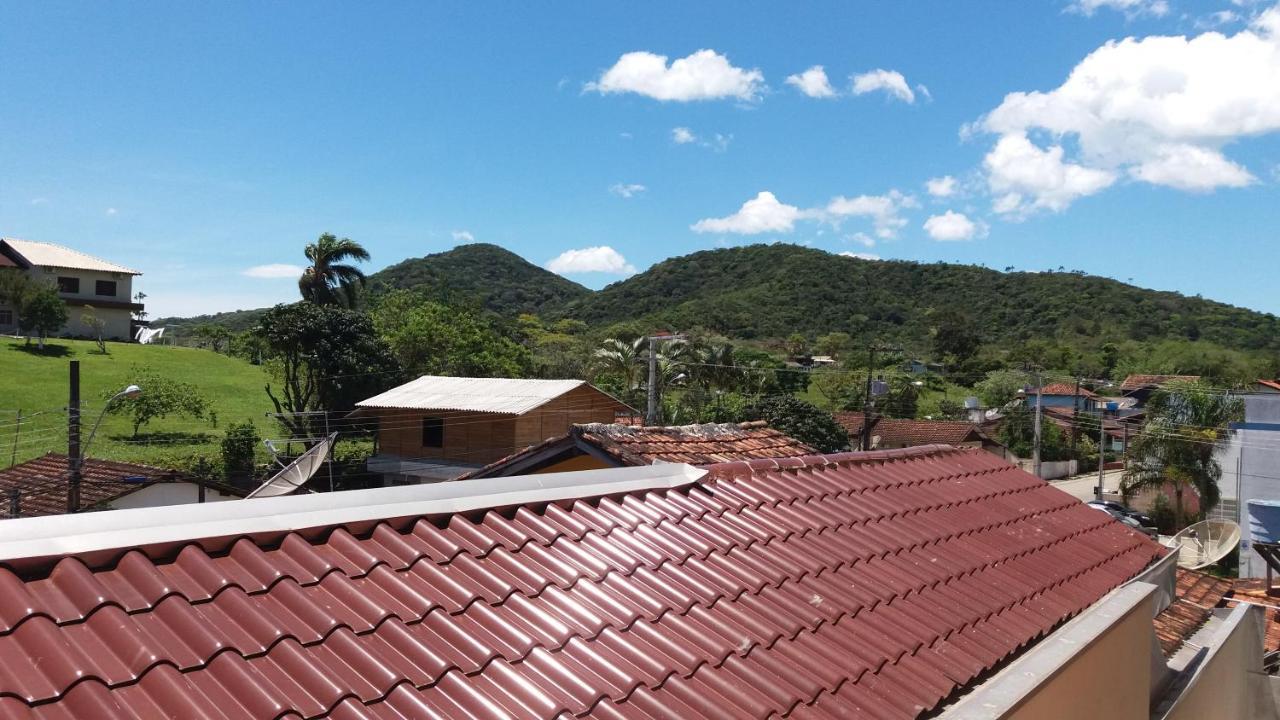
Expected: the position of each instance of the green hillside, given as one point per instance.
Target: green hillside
(233, 320)
(771, 291)
(37, 383)
(481, 274)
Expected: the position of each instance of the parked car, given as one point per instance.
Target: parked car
(1149, 531)
(1143, 520)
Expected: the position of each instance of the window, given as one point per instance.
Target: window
(433, 432)
(105, 288)
(68, 285)
(6, 317)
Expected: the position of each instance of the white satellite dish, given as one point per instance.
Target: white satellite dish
(297, 473)
(1205, 543)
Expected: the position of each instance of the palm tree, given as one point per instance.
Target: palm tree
(623, 358)
(1186, 424)
(328, 280)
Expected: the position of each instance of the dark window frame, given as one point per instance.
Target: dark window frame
(97, 288)
(68, 285)
(6, 317)
(433, 432)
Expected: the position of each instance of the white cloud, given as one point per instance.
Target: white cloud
(860, 256)
(463, 236)
(39, 201)
(761, 214)
(1018, 169)
(716, 141)
(704, 75)
(601, 259)
(813, 82)
(862, 239)
(883, 210)
(112, 211)
(1130, 8)
(1159, 109)
(627, 190)
(890, 81)
(275, 271)
(952, 225)
(944, 186)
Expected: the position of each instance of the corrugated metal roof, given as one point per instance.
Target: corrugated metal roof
(851, 585)
(52, 255)
(495, 395)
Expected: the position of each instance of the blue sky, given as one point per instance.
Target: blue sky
(197, 142)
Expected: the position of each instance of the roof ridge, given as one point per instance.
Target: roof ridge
(72, 250)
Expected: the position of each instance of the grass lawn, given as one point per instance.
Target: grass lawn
(37, 382)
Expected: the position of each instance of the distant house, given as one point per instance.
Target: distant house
(1265, 386)
(39, 487)
(1059, 395)
(597, 446)
(82, 280)
(439, 428)
(919, 367)
(893, 433)
(1141, 387)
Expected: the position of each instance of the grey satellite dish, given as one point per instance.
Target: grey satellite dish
(297, 473)
(1205, 543)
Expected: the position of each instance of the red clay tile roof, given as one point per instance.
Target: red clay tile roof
(824, 587)
(42, 483)
(910, 433)
(1137, 382)
(1067, 389)
(1197, 594)
(639, 445)
(1273, 384)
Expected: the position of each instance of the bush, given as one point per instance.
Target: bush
(239, 446)
(803, 421)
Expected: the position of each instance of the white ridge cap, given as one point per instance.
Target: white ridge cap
(58, 535)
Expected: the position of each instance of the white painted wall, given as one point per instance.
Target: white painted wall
(167, 493)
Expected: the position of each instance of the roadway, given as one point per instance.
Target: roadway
(1081, 486)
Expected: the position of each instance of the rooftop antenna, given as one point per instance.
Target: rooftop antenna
(1204, 543)
(297, 473)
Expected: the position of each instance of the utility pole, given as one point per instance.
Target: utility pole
(1075, 417)
(17, 431)
(651, 411)
(1039, 412)
(1102, 446)
(865, 441)
(73, 441)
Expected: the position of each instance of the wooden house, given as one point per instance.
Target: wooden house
(439, 428)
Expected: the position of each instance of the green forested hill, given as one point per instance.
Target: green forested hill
(773, 291)
(763, 291)
(497, 279)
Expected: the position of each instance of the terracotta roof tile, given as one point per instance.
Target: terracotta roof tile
(1137, 382)
(1197, 595)
(909, 433)
(807, 587)
(1068, 389)
(42, 483)
(703, 444)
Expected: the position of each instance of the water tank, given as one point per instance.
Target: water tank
(1264, 521)
(971, 403)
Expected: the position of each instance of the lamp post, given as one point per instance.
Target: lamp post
(76, 450)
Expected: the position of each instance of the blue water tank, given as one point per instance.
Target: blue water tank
(1264, 521)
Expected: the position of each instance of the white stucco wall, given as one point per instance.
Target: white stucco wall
(162, 494)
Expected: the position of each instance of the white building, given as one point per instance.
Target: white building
(89, 285)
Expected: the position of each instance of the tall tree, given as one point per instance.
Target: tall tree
(329, 279)
(325, 359)
(1187, 422)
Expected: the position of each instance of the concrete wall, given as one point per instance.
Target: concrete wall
(118, 320)
(178, 493)
(1097, 666)
(1228, 683)
(1050, 470)
(1251, 470)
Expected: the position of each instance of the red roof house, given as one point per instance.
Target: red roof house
(874, 584)
(890, 433)
(597, 445)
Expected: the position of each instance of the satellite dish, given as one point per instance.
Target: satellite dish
(1205, 543)
(297, 473)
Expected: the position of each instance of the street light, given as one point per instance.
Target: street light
(77, 458)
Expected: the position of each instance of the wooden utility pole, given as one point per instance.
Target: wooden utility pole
(74, 460)
(651, 411)
(1039, 412)
(865, 441)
